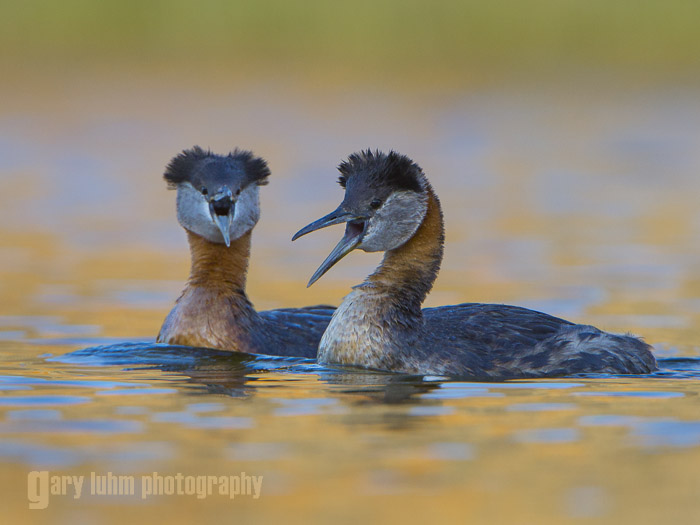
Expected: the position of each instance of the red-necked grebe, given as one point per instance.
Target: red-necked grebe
(390, 206)
(218, 206)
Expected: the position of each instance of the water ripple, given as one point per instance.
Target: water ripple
(547, 435)
(43, 400)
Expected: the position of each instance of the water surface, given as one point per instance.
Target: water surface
(584, 207)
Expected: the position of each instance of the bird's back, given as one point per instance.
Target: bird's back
(293, 331)
(502, 341)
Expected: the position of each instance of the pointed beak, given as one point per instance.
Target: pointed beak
(223, 222)
(354, 231)
(221, 209)
(337, 216)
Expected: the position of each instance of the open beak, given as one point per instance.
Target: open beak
(354, 231)
(222, 207)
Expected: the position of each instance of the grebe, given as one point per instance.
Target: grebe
(218, 206)
(390, 206)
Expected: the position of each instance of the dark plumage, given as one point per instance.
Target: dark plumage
(382, 171)
(495, 341)
(389, 206)
(218, 206)
(198, 166)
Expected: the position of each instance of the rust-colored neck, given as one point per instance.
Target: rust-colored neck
(217, 266)
(409, 271)
(213, 310)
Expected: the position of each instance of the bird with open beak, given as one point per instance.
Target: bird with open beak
(218, 206)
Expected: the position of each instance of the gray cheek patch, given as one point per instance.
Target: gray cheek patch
(247, 212)
(395, 222)
(193, 213)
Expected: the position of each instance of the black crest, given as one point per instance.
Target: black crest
(255, 167)
(392, 169)
(181, 167)
(184, 166)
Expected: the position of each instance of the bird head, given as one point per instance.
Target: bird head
(386, 199)
(217, 195)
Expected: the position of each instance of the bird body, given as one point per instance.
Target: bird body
(381, 325)
(218, 207)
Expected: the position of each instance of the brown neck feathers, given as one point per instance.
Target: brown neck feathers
(217, 266)
(409, 271)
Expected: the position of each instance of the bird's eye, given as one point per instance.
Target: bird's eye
(204, 191)
(238, 191)
(375, 204)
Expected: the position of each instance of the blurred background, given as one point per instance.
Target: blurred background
(562, 136)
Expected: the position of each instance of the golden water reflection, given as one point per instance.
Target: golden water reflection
(584, 207)
(351, 446)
